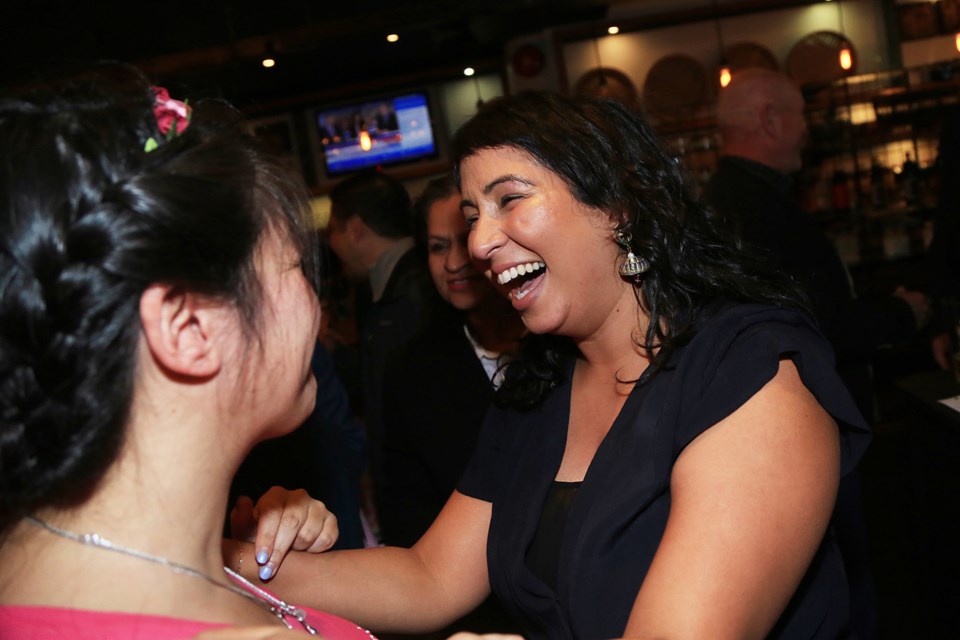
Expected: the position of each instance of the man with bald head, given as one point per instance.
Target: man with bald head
(761, 121)
(761, 118)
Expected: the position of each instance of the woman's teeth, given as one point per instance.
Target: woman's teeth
(519, 270)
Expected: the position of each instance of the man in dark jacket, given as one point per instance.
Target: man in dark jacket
(761, 121)
(370, 231)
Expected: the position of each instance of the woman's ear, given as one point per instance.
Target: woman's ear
(181, 330)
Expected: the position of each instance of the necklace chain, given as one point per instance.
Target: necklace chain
(263, 598)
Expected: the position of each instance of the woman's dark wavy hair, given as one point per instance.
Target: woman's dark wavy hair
(611, 160)
(88, 220)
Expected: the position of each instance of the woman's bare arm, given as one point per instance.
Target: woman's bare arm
(751, 498)
(441, 578)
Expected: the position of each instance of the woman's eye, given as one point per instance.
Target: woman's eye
(436, 247)
(507, 199)
(471, 221)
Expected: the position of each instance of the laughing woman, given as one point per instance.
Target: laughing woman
(666, 454)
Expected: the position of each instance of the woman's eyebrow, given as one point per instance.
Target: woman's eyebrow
(506, 178)
(510, 177)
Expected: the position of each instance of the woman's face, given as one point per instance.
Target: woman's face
(455, 275)
(282, 390)
(554, 254)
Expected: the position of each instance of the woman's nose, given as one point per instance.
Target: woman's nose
(457, 258)
(485, 238)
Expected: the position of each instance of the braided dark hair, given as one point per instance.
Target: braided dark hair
(611, 160)
(88, 220)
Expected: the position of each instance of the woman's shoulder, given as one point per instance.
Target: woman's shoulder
(739, 339)
(751, 331)
(731, 320)
(738, 350)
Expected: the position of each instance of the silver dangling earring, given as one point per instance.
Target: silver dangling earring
(632, 265)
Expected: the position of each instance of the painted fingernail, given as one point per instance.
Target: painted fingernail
(262, 556)
(265, 572)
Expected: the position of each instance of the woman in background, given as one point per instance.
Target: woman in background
(438, 388)
(157, 317)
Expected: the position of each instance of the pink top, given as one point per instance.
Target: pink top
(55, 623)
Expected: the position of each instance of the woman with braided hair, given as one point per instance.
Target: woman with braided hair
(157, 316)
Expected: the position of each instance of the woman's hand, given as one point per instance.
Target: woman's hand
(280, 521)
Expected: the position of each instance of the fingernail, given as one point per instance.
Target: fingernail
(265, 572)
(262, 556)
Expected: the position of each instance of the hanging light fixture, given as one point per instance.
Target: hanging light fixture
(269, 59)
(846, 52)
(602, 79)
(846, 57)
(726, 75)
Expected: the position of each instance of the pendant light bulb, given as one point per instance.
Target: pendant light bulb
(846, 58)
(725, 76)
(269, 59)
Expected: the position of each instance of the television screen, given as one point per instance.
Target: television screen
(376, 132)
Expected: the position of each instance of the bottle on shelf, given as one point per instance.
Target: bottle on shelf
(840, 192)
(909, 175)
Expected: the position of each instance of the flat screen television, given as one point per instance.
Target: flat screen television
(376, 132)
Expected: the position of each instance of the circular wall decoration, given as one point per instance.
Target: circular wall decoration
(750, 55)
(675, 87)
(815, 58)
(604, 82)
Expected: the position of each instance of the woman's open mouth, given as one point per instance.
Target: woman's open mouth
(522, 278)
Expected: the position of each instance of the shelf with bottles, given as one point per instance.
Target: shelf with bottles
(898, 177)
(877, 210)
(888, 96)
(883, 123)
(827, 140)
(853, 90)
